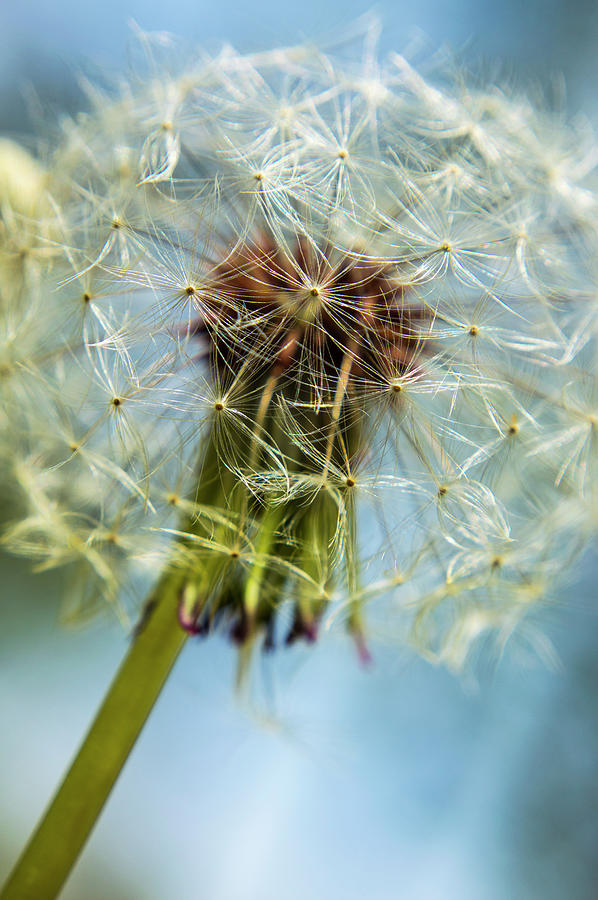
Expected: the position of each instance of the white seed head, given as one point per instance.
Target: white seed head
(373, 296)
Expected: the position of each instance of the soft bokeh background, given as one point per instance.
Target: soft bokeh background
(395, 782)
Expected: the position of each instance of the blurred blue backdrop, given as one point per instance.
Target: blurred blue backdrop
(398, 781)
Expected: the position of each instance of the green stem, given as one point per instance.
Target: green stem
(55, 845)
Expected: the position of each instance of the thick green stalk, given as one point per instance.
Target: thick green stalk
(54, 847)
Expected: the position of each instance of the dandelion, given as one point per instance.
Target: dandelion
(286, 341)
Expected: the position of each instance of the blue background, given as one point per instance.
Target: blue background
(331, 781)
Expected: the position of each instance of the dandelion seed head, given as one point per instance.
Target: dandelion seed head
(321, 334)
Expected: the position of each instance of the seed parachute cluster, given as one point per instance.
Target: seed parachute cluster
(314, 333)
